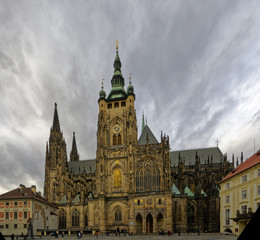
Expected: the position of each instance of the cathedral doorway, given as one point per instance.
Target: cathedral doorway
(138, 223)
(160, 222)
(149, 223)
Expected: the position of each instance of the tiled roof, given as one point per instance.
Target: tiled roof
(203, 153)
(147, 133)
(24, 193)
(250, 162)
(82, 166)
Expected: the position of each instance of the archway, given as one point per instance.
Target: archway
(149, 223)
(160, 222)
(138, 223)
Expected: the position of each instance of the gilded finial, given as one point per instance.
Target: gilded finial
(117, 44)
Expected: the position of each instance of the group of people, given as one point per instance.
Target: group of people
(162, 232)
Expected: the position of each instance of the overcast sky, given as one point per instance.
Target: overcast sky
(195, 66)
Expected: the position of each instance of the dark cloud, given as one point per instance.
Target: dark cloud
(195, 68)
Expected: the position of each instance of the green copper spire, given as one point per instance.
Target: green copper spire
(117, 92)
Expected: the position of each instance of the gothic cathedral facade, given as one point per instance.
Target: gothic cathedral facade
(133, 184)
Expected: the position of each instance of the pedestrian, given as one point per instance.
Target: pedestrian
(97, 234)
(12, 236)
(2, 236)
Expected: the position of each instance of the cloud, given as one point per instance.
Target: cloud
(195, 71)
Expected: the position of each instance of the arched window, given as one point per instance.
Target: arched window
(75, 218)
(147, 176)
(190, 214)
(119, 140)
(118, 215)
(62, 219)
(53, 192)
(114, 140)
(117, 178)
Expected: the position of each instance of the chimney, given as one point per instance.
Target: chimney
(33, 188)
(39, 193)
(241, 157)
(21, 187)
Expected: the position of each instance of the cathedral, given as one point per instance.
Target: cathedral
(134, 184)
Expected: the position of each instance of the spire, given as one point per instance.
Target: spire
(74, 156)
(56, 123)
(143, 122)
(117, 81)
(102, 93)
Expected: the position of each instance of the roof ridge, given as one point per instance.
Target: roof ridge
(192, 149)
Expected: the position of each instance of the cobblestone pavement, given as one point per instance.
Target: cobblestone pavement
(203, 236)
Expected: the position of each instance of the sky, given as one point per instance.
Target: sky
(195, 69)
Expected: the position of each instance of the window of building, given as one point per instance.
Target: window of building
(15, 203)
(25, 226)
(244, 178)
(227, 186)
(160, 201)
(244, 209)
(114, 140)
(7, 204)
(117, 177)
(75, 218)
(190, 214)
(62, 219)
(15, 215)
(119, 140)
(25, 215)
(6, 215)
(118, 215)
(244, 194)
(15, 225)
(109, 106)
(258, 189)
(25, 203)
(138, 202)
(122, 104)
(227, 216)
(86, 219)
(36, 215)
(258, 172)
(116, 105)
(6, 226)
(147, 176)
(227, 199)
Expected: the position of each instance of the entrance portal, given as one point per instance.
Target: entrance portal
(149, 223)
(139, 223)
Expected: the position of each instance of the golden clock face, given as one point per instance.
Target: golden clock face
(116, 128)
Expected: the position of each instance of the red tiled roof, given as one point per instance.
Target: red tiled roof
(24, 193)
(250, 162)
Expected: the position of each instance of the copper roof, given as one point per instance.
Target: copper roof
(24, 193)
(250, 162)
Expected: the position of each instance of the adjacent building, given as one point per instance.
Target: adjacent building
(136, 184)
(24, 206)
(240, 195)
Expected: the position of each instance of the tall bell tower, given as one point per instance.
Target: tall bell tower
(116, 137)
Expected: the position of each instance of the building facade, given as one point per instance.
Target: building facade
(136, 184)
(240, 195)
(24, 206)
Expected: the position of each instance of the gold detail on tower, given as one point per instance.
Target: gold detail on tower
(117, 178)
